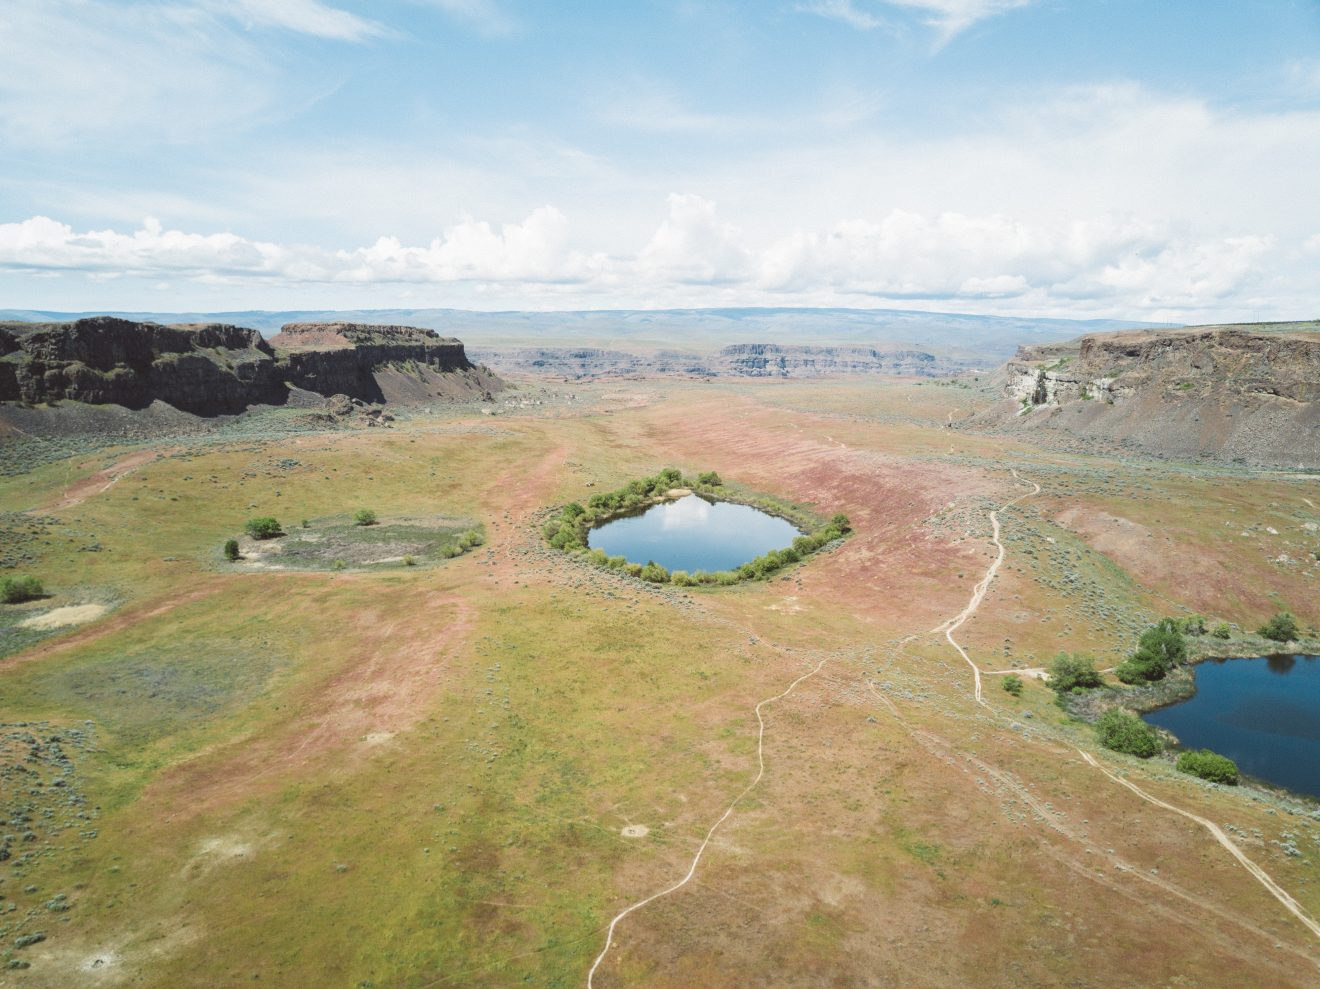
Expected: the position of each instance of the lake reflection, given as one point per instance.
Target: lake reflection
(694, 534)
(1263, 713)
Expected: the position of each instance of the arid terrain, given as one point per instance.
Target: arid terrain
(487, 769)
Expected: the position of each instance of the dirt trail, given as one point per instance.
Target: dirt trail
(978, 594)
(1277, 891)
(79, 491)
(696, 860)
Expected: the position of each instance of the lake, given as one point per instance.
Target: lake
(1263, 713)
(692, 533)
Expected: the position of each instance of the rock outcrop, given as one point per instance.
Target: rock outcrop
(218, 369)
(742, 360)
(1228, 392)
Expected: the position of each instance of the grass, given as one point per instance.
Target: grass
(418, 776)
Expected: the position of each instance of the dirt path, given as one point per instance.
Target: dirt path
(979, 592)
(79, 491)
(696, 860)
(1277, 891)
(978, 595)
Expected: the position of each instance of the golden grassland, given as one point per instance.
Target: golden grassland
(419, 777)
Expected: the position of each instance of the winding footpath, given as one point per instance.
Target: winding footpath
(979, 591)
(978, 595)
(696, 859)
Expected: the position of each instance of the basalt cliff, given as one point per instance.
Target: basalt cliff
(1240, 393)
(213, 369)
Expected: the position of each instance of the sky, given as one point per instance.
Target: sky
(1083, 158)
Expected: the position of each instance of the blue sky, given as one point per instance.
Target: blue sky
(1038, 157)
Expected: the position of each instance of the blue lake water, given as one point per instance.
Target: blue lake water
(691, 533)
(1262, 713)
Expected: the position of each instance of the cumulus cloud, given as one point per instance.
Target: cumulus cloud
(1110, 264)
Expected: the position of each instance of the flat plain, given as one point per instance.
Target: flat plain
(459, 773)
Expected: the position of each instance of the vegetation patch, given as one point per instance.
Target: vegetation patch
(343, 543)
(1209, 766)
(568, 529)
(1123, 731)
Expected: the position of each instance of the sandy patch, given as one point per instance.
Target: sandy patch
(74, 614)
(635, 831)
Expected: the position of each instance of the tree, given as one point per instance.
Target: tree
(1209, 766)
(840, 522)
(1013, 684)
(263, 527)
(1125, 732)
(1281, 628)
(710, 479)
(364, 516)
(1222, 631)
(15, 590)
(231, 550)
(1160, 648)
(1075, 672)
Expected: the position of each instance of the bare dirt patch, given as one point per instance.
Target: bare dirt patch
(73, 614)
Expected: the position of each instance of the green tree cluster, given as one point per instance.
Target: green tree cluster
(1209, 766)
(15, 590)
(1123, 731)
(1281, 628)
(1160, 648)
(1073, 672)
(263, 527)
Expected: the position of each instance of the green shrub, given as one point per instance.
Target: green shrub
(409, 561)
(726, 578)
(1125, 732)
(654, 573)
(1140, 668)
(710, 479)
(1222, 631)
(634, 569)
(1209, 766)
(1073, 672)
(1013, 684)
(683, 579)
(840, 522)
(364, 516)
(1193, 625)
(231, 550)
(598, 557)
(14, 590)
(617, 562)
(1281, 628)
(264, 527)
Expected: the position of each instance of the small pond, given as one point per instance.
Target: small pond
(692, 533)
(1263, 713)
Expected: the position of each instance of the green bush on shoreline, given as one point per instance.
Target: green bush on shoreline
(568, 529)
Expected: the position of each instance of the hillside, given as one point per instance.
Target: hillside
(212, 369)
(1233, 392)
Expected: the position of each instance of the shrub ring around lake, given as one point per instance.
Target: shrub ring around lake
(568, 529)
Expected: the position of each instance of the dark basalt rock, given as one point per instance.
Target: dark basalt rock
(213, 369)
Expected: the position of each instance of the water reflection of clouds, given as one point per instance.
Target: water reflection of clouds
(684, 513)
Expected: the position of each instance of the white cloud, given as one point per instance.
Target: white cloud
(309, 17)
(842, 10)
(946, 17)
(1110, 264)
(78, 72)
(486, 16)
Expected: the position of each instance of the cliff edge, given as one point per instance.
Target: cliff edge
(1245, 393)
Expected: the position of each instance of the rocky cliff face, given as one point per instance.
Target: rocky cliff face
(1229, 392)
(744, 360)
(216, 369)
(346, 358)
(207, 369)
